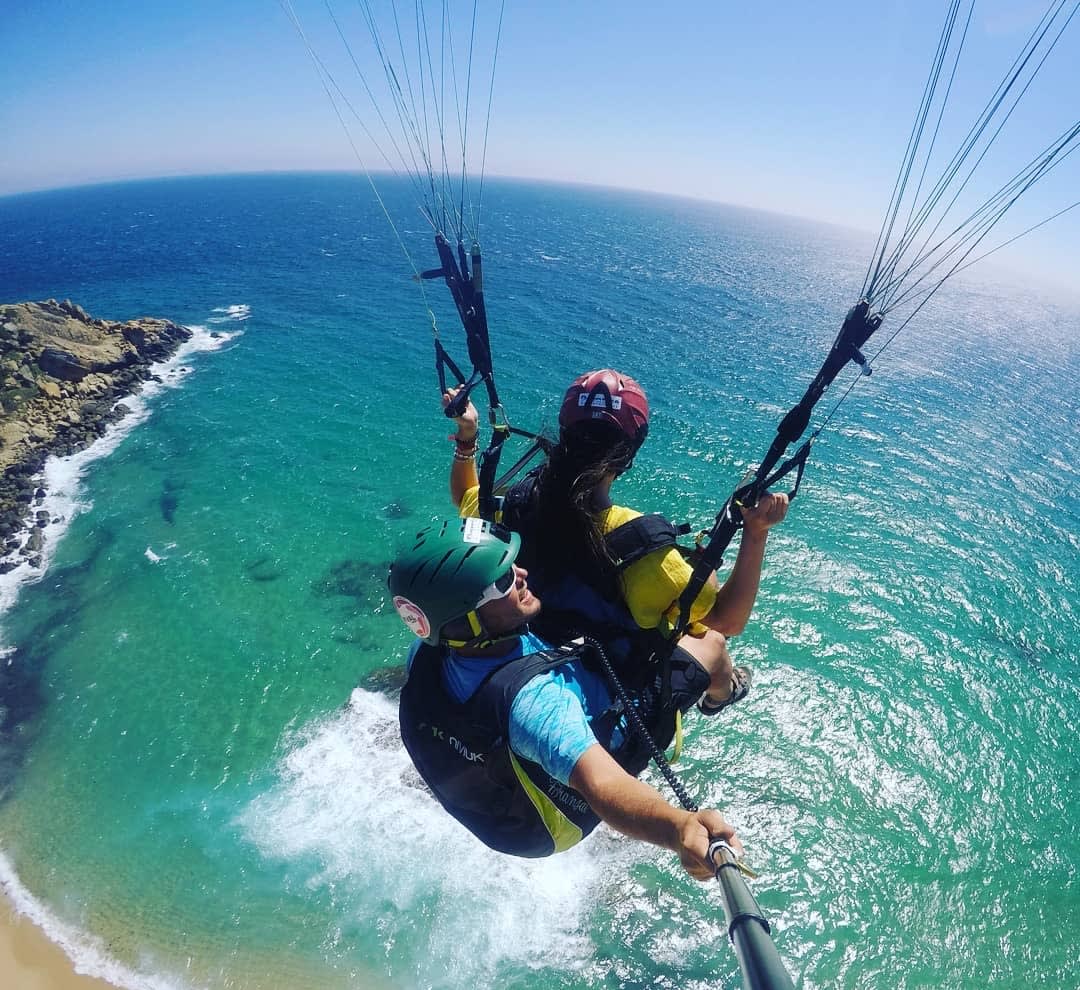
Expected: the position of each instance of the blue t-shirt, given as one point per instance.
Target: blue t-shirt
(551, 717)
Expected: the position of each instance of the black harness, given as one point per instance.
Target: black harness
(463, 754)
(572, 605)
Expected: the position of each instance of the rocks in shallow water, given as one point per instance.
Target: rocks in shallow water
(61, 374)
(385, 680)
(264, 569)
(362, 580)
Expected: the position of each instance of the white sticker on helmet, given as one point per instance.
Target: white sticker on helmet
(413, 616)
(473, 530)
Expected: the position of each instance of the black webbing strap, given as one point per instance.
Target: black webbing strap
(444, 361)
(640, 536)
(859, 324)
(492, 700)
(466, 285)
(466, 289)
(796, 461)
(489, 464)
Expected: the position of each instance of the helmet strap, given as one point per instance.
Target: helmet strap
(481, 640)
(475, 624)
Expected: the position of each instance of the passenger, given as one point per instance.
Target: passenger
(522, 743)
(569, 526)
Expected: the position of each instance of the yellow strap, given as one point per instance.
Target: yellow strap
(474, 623)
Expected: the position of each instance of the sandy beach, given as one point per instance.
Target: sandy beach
(29, 961)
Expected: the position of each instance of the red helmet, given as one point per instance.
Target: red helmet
(610, 397)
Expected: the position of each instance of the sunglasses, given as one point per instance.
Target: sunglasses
(499, 588)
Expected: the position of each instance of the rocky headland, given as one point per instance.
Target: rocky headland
(62, 374)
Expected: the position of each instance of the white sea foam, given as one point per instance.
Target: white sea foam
(62, 476)
(153, 557)
(1061, 465)
(350, 814)
(86, 952)
(238, 312)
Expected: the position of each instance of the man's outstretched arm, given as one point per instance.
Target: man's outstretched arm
(636, 809)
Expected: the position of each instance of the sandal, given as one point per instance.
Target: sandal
(740, 688)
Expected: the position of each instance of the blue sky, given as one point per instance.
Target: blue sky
(794, 107)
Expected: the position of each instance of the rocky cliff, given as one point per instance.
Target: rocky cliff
(61, 375)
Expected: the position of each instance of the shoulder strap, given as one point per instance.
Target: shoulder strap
(492, 701)
(641, 536)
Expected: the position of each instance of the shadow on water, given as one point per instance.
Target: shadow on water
(397, 510)
(1034, 654)
(352, 590)
(364, 581)
(357, 635)
(21, 701)
(55, 625)
(262, 570)
(169, 500)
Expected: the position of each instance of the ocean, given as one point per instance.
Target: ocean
(201, 783)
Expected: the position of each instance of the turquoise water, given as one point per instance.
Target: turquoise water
(201, 780)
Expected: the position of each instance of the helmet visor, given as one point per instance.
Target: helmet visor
(499, 588)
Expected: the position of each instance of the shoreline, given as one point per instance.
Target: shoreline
(57, 482)
(30, 960)
(37, 953)
(58, 406)
(65, 380)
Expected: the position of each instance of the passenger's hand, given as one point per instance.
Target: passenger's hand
(698, 831)
(468, 423)
(769, 511)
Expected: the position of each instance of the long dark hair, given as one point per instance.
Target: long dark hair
(569, 539)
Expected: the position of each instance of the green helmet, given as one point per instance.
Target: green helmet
(443, 574)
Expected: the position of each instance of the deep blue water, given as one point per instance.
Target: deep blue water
(194, 794)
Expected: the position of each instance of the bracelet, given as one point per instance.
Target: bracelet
(461, 442)
(461, 456)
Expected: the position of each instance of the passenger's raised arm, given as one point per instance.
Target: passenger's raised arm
(735, 598)
(463, 467)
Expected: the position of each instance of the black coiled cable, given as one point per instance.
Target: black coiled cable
(639, 727)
